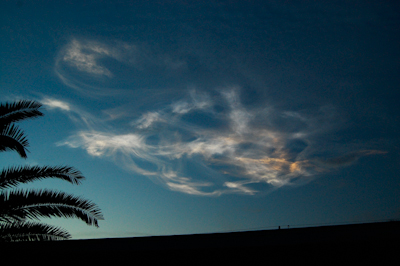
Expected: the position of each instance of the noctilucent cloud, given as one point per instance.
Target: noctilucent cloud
(211, 116)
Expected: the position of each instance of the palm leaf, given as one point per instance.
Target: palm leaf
(12, 138)
(14, 112)
(19, 205)
(30, 231)
(11, 177)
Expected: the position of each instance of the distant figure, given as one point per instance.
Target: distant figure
(279, 227)
(288, 226)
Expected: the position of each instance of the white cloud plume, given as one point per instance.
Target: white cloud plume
(98, 59)
(200, 159)
(147, 120)
(197, 101)
(98, 144)
(181, 107)
(76, 114)
(85, 57)
(52, 103)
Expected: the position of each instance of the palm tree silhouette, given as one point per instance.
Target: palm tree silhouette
(18, 207)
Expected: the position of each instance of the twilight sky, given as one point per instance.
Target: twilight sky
(211, 116)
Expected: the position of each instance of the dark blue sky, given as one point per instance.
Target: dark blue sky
(189, 117)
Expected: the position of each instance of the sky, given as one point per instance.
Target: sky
(192, 117)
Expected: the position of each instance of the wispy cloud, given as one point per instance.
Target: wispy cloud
(52, 103)
(197, 101)
(239, 117)
(76, 114)
(85, 57)
(83, 62)
(347, 159)
(100, 144)
(147, 120)
(195, 157)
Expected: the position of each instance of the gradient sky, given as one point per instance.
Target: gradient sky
(211, 116)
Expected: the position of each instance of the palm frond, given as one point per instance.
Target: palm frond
(31, 231)
(12, 138)
(12, 176)
(14, 112)
(18, 205)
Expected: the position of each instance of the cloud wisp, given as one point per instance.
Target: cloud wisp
(193, 147)
(92, 66)
(86, 57)
(79, 116)
(53, 104)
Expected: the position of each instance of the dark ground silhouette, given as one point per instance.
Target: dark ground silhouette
(354, 242)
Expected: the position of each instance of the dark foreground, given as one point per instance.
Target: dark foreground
(349, 243)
